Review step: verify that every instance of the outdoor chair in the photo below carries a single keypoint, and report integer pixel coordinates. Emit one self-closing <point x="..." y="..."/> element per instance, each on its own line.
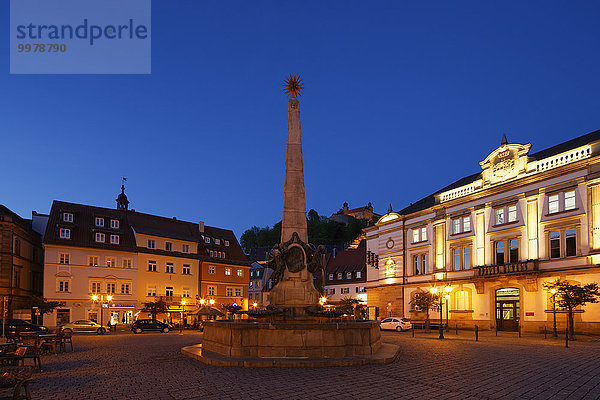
<point x="67" y="337"/>
<point x="12" y="338"/>
<point x="16" y="378"/>
<point x="30" y="349"/>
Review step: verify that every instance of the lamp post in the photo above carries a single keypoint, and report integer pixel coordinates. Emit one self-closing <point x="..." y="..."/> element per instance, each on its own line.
<point x="100" y="298"/>
<point x="434" y="292"/>
<point x="448" y="290"/>
<point x="181" y="316"/>
<point x="554" y="331"/>
<point x="254" y="305"/>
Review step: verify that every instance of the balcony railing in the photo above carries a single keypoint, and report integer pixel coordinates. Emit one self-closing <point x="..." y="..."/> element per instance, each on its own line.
<point x="173" y="299"/>
<point x="522" y="267"/>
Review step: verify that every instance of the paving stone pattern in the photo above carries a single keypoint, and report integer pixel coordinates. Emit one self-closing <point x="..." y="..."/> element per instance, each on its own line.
<point x="150" y="366"/>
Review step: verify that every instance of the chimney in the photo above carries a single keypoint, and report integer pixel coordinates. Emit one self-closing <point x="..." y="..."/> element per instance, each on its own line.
<point x="201" y="226"/>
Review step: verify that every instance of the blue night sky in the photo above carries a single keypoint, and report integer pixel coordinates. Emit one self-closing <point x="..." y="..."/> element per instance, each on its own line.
<point x="400" y="100"/>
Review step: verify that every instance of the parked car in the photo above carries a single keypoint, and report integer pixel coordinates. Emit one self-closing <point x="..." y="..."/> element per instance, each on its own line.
<point x="83" y="326"/>
<point x="396" y="323"/>
<point x="150" y="325"/>
<point x="19" y="325"/>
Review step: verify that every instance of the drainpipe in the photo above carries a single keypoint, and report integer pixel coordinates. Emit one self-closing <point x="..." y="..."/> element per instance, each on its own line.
<point x="403" y="264"/>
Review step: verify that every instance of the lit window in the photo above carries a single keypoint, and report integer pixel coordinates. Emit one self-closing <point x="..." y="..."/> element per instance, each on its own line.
<point x="212" y="269"/>
<point x="358" y="274"/>
<point x="348" y="275"/>
<point x="170" y="269"/>
<point x="226" y="242"/>
<point x="466" y="224"/>
<point x="229" y="292"/>
<point x="553" y="204"/>
<point x="114" y="239"/>
<point x="125" y="288"/>
<point x="111" y="288"/>
<point x="206" y="239"/>
<point x="570" y="200"/>
<point x="185" y="292"/>
<point x="152" y="266"/>
<point x="512" y="213"/>
<point x="93" y="261"/>
<point x="65" y="233"/>
<point x="461" y="300"/>
<point x="127" y="263"/>
<point x="151" y="244"/>
<point x="240" y="272"/>
<point x="168" y="246"/>
<point x="330" y="277"/>
<point x="456" y="225"/>
<point x="63" y="286"/>
<point x="63" y="258"/>
<point x="99" y="221"/>
<point x="238" y="292"/>
<point x="419" y="234"/>
<point x="185" y="248"/>
<point x="555" y="244"/>
<point x="499" y="253"/>
<point x="169" y="291"/>
<point x="217" y="241"/>
<point x="499" y="216"/>
<point x="211" y="290"/>
<point x="332" y="291"/>
<point x="67" y="217"/>
<point x="187" y="270"/>
<point x="415" y="235"/>
<point x="339" y="275"/>
<point x="570" y="242"/>
<point x="227" y="271"/>
<point x="151" y="291"/>
<point x="114" y="223"/>
<point x="100" y="237"/>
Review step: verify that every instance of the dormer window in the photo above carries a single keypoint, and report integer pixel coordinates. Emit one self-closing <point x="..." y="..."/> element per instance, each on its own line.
<point x="168" y="246"/>
<point x="65" y="233"/>
<point x="114" y="223"/>
<point x="206" y="239"/>
<point x="99" y="222"/>
<point x="339" y="275"/>
<point x="226" y="242"/>
<point x="68" y="217"/>
<point x="185" y="248"/>
<point x="114" y="239"/>
<point x="100" y="237"/>
<point x="217" y="241"/>
<point x="151" y="244"/>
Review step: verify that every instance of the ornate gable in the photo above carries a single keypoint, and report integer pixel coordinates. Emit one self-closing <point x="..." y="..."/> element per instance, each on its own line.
<point x="507" y="162"/>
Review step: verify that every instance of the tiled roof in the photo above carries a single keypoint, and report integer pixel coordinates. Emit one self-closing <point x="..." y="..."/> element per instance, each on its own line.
<point x="349" y="260"/>
<point x="233" y="252"/>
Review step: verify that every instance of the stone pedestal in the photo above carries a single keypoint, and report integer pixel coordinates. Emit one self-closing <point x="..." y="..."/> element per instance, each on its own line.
<point x="296" y="290"/>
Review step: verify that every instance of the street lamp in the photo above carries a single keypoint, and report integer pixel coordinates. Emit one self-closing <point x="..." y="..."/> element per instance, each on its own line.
<point x="448" y="290"/>
<point x="100" y="298"/>
<point x="202" y="301"/>
<point x="254" y="305"/>
<point x="434" y="292"/>
<point x="553" y="291"/>
<point x="211" y="302"/>
<point x="181" y="316"/>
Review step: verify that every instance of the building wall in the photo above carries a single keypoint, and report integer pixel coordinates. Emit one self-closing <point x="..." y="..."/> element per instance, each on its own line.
<point x="238" y="279"/>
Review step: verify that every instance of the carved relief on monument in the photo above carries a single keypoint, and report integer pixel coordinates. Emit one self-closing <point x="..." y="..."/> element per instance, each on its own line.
<point x="508" y="161"/>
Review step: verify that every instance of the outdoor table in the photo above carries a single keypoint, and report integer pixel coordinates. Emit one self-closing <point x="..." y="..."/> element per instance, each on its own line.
<point x="48" y="339"/>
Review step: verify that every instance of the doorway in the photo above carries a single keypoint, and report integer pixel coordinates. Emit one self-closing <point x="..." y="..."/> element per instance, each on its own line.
<point x="508" y="309"/>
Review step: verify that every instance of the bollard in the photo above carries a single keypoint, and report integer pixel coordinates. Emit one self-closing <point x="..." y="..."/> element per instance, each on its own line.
<point x="476" y="333"/>
<point x="567" y="337"/>
<point x="519" y="328"/>
<point x="457" y="329"/>
<point x="545" y="333"/>
<point x="496" y="328"/>
<point x="413" y="332"/>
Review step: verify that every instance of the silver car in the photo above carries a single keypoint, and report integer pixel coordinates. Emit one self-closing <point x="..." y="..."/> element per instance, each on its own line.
<point x="396" y="323"/>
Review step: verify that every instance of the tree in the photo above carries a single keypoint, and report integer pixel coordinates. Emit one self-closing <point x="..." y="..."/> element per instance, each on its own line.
<point x="569" y="296"/>
<point x="347" y="305"/>
<point x="44" y="306"/>
<point x="155" y="308"/>
<point x="425" y="301"/>
<point x="249" y="239"/>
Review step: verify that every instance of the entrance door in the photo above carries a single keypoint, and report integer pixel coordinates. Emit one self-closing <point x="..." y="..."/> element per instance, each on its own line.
<point x="507" y="309"/>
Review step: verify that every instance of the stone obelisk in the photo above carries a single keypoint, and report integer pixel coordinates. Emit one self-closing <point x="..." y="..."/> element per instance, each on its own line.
<point x="294" y="202"/>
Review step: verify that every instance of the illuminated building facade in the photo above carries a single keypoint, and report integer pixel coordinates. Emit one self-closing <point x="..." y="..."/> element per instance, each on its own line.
<point x="496" y="237"/>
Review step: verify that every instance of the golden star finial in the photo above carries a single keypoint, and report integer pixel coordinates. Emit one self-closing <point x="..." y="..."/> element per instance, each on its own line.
<point x="293" y="86"/>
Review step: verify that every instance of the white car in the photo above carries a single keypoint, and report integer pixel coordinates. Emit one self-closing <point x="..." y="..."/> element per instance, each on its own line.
<point x="396" y="323"/>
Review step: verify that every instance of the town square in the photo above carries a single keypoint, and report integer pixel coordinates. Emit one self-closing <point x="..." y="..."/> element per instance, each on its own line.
<point x="233" y="200"/>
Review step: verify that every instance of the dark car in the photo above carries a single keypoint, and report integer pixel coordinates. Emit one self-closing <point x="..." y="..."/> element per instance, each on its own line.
<point x="19" y="326"/>
<point x="150" y="325"/>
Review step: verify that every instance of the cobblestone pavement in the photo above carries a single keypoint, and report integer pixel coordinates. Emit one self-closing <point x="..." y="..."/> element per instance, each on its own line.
<point x="150" y="366"/>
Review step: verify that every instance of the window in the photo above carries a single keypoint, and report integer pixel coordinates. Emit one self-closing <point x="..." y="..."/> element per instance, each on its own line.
<point x="65" y="233"/>
<point x="553" y="204"/>
<point x="339" y="275"/>
<point x="571" y="242"/>
<point x="114" y="239"/>
<point x="151" y="244"/>
<point x="95" y="287"/>
<point x="361" y="289"/>
<point x="111" y="262"/>
<point x="358" y="274"/>
<point x="99" y="221"/>
<point x="187" y="270"/>
<point x="330" y="277"/>
<point x="169" y="291"/>
<point x="514" y="250"/>
<point x="68" y="217"/>
<point x="332" y="291"/>
<point x="185" y="248"/>
<point x="240" y="272"/>
<point x="226" y="243"/>
<point x="348" y="275"/>
<point x="125" y="288"/>
<point x="152" y="266"/>
<point x="461" y="258"/>
<point x="127" y="263"/>
<point x="114" y="223"/>
<point x="499" y="216"/>
<point x="570" y="200"/>
<point x="238" y="292"/>
<point x="63" y="286"/>
<point x="206" y="239"/>
<point x="170" y="269"/>
<point x="512" y="213"/>
<point x="168" y="246"/>
<point x="100" y="237"/>
<point x="151" y="291"/>
<point x="419" y="234"/>
<point x="456" y="226"/>
<point x="211" y="290"/>
<point x="17" y="277"/>
<point x="420" y="264"/>
<point x="229" y="292"/>
<point x="185" y="292"/>
<point x="63" y="258"/>
<point x="461" y="224"/>
<point x="555" y="244"/>
<point x="467" y="257"/>
<point x="466" y="224"/>
<point x="456" y="259"/>
<point x="217" y="241"/>
<point x="17" y="247"/>
<point x="499" y="253"/>
<point x="344" y="290"/>
<point x="227" y="271"/>
<point x="111" y="288"/>
<point x="212" y="269"/>
<point x="93" y="261"/>
<point x="461" y="300"/>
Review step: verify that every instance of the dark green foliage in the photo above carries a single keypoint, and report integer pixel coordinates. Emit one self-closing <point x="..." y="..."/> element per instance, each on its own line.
<point x="425" y="301"/>
<point x="43" y="305"/>
<point x="155" y="308"/>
